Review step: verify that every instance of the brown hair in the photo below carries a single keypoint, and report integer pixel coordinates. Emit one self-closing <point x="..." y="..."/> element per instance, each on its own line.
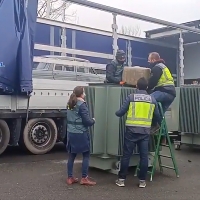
<point x="154" y="55"/>
<point x="78" y="91"/>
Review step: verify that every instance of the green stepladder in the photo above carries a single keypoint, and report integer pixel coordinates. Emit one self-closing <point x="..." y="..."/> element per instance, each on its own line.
<point x="157" y="145"/>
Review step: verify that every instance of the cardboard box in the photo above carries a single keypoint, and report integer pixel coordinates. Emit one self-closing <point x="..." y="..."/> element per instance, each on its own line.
<point x="132" y="74"/>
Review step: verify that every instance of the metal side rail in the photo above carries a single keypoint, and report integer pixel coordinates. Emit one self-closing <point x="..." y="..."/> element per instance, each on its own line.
<point x="157" y="143"/>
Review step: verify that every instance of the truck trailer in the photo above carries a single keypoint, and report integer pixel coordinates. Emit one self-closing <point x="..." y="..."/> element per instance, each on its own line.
<point x="33" y="110"/>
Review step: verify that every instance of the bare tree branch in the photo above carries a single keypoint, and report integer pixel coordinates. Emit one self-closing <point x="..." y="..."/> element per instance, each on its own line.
<point x="58" y="10"/>
<point x="130" y="30"/>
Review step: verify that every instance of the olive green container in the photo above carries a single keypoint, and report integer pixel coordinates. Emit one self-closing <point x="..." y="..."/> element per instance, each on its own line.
<point x="190" y="109"/>
<point x="108" y="132"/>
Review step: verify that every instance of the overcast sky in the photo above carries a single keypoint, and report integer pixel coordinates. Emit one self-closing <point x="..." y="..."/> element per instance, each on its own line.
<point x="177" y="11"/>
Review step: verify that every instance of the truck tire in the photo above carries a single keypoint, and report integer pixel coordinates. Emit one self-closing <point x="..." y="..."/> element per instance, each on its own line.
<point x="40" y="135"/>
<point x="4" y="136"/>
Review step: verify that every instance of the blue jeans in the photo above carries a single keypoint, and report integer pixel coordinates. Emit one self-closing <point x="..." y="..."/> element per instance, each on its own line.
<point x="164" y="98"/>
<point x="85" y="164"/>
<point x="130" y="141"/>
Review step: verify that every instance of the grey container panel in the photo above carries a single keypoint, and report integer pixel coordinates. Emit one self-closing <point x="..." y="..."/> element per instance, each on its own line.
<point x="100" y="114"/>
<point x="189" y="109"/>
<point x="113" y="131"/>
<point x="96" y="98"/>
<point x="122" y="128"/>
<point x="172" y="114"/>
<point x="45" y="99"/>
<point x="5" y="103"/>
<point x="90" y="99"/>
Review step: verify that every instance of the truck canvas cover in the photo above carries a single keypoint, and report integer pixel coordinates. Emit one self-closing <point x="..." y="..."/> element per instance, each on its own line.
<point x="17" y="22"/>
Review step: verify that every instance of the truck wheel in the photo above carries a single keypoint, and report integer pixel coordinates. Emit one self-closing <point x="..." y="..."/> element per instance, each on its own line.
<point x="40" y="135"/>
<point x="4" y="136"/>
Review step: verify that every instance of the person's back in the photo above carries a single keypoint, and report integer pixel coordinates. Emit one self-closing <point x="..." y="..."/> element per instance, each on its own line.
<point x="140" y="112"/>
<point x="140" y="108"/>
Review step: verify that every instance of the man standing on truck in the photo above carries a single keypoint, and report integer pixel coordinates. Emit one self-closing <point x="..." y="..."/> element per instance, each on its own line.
<point x="115" y="68"/>
<point x="140" y="108"/>
<point x="161" y="82"/>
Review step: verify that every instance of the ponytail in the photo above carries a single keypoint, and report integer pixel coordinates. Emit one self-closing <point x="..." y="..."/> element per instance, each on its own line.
<point x="72" y="101"/>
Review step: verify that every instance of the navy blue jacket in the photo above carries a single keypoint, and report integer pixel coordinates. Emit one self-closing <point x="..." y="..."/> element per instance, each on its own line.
<point x="80" y="142"/>
<point x="84" y="114"/>
<point x="124" y="109"/>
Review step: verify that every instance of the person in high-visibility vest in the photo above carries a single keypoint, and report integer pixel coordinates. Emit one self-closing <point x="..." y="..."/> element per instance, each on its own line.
<point x="115" y="68"/>
<point x="161" y="81"/>
<point x="141" y="109"/>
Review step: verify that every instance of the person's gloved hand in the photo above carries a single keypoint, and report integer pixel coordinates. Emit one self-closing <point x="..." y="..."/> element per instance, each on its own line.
<point x="122" y="82"/>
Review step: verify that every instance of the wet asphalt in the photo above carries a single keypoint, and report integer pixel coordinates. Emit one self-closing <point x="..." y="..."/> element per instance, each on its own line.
<point x="30" y="177"/>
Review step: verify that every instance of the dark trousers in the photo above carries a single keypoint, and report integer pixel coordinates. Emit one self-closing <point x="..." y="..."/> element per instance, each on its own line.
<point x="85" y="164"/>
<point x="164" y="98"/>
<point x="130" y="141"/>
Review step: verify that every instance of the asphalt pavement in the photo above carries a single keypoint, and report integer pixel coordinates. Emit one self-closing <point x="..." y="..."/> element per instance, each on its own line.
<point x="43" y="177"/>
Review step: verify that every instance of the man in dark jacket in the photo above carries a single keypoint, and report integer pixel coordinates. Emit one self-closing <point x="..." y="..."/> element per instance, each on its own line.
<point x="115" y="68"/>
<point x="161" y="81"/>
<point x="141" y="108"/>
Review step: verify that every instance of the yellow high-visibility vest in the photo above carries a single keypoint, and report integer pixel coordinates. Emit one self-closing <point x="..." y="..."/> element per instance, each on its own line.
<point x="140" y="112"/>
<point x="166" y="77"/>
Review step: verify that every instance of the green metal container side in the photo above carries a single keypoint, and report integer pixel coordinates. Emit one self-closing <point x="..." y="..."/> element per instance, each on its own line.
<point x="172" y="114"/>
<point x="96" y="104"/>
<point x="189" y="109"/>
<point x="108" y="132"/>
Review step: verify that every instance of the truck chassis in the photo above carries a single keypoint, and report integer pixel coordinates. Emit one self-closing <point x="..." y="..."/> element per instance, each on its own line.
<point x="38" y="121"/>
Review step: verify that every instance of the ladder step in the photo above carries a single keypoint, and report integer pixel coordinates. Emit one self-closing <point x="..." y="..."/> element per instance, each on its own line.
<point x="168" y="167"/>
<point x="164" y="145"/>
<point x="165" y="156"/>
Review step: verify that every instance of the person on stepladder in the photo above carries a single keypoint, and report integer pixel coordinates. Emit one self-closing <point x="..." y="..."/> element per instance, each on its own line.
<point x="78" y="140"/>
<point x="140" y="108"/>
<point x="161" y="82"/>
<point x="115" y="68"/>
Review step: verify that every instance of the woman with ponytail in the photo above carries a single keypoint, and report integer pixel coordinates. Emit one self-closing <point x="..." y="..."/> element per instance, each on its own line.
<point x="78" y="141"/>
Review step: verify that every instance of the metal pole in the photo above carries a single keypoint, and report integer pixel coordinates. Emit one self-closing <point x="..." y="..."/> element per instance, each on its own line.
<point x="115" y="36"/>
<point x="63" y="30"/>
<point x="48" y="9"/>
<point x="181" y="58"/>
<point x="26" y="3"/>
<point x="129" y="49"/>
<point x="177" y="69"/>
<point x="133" y="15"/>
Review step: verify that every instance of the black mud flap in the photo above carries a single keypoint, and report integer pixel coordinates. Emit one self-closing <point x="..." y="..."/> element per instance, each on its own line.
<point x="15" y="131"/>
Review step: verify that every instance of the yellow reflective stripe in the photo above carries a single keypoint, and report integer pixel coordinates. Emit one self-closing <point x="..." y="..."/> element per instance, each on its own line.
<point x="132" y="120"/>
<point x="151" y="110"/>
<point x="139" y="125"/>
<point x="165" y="79"/>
